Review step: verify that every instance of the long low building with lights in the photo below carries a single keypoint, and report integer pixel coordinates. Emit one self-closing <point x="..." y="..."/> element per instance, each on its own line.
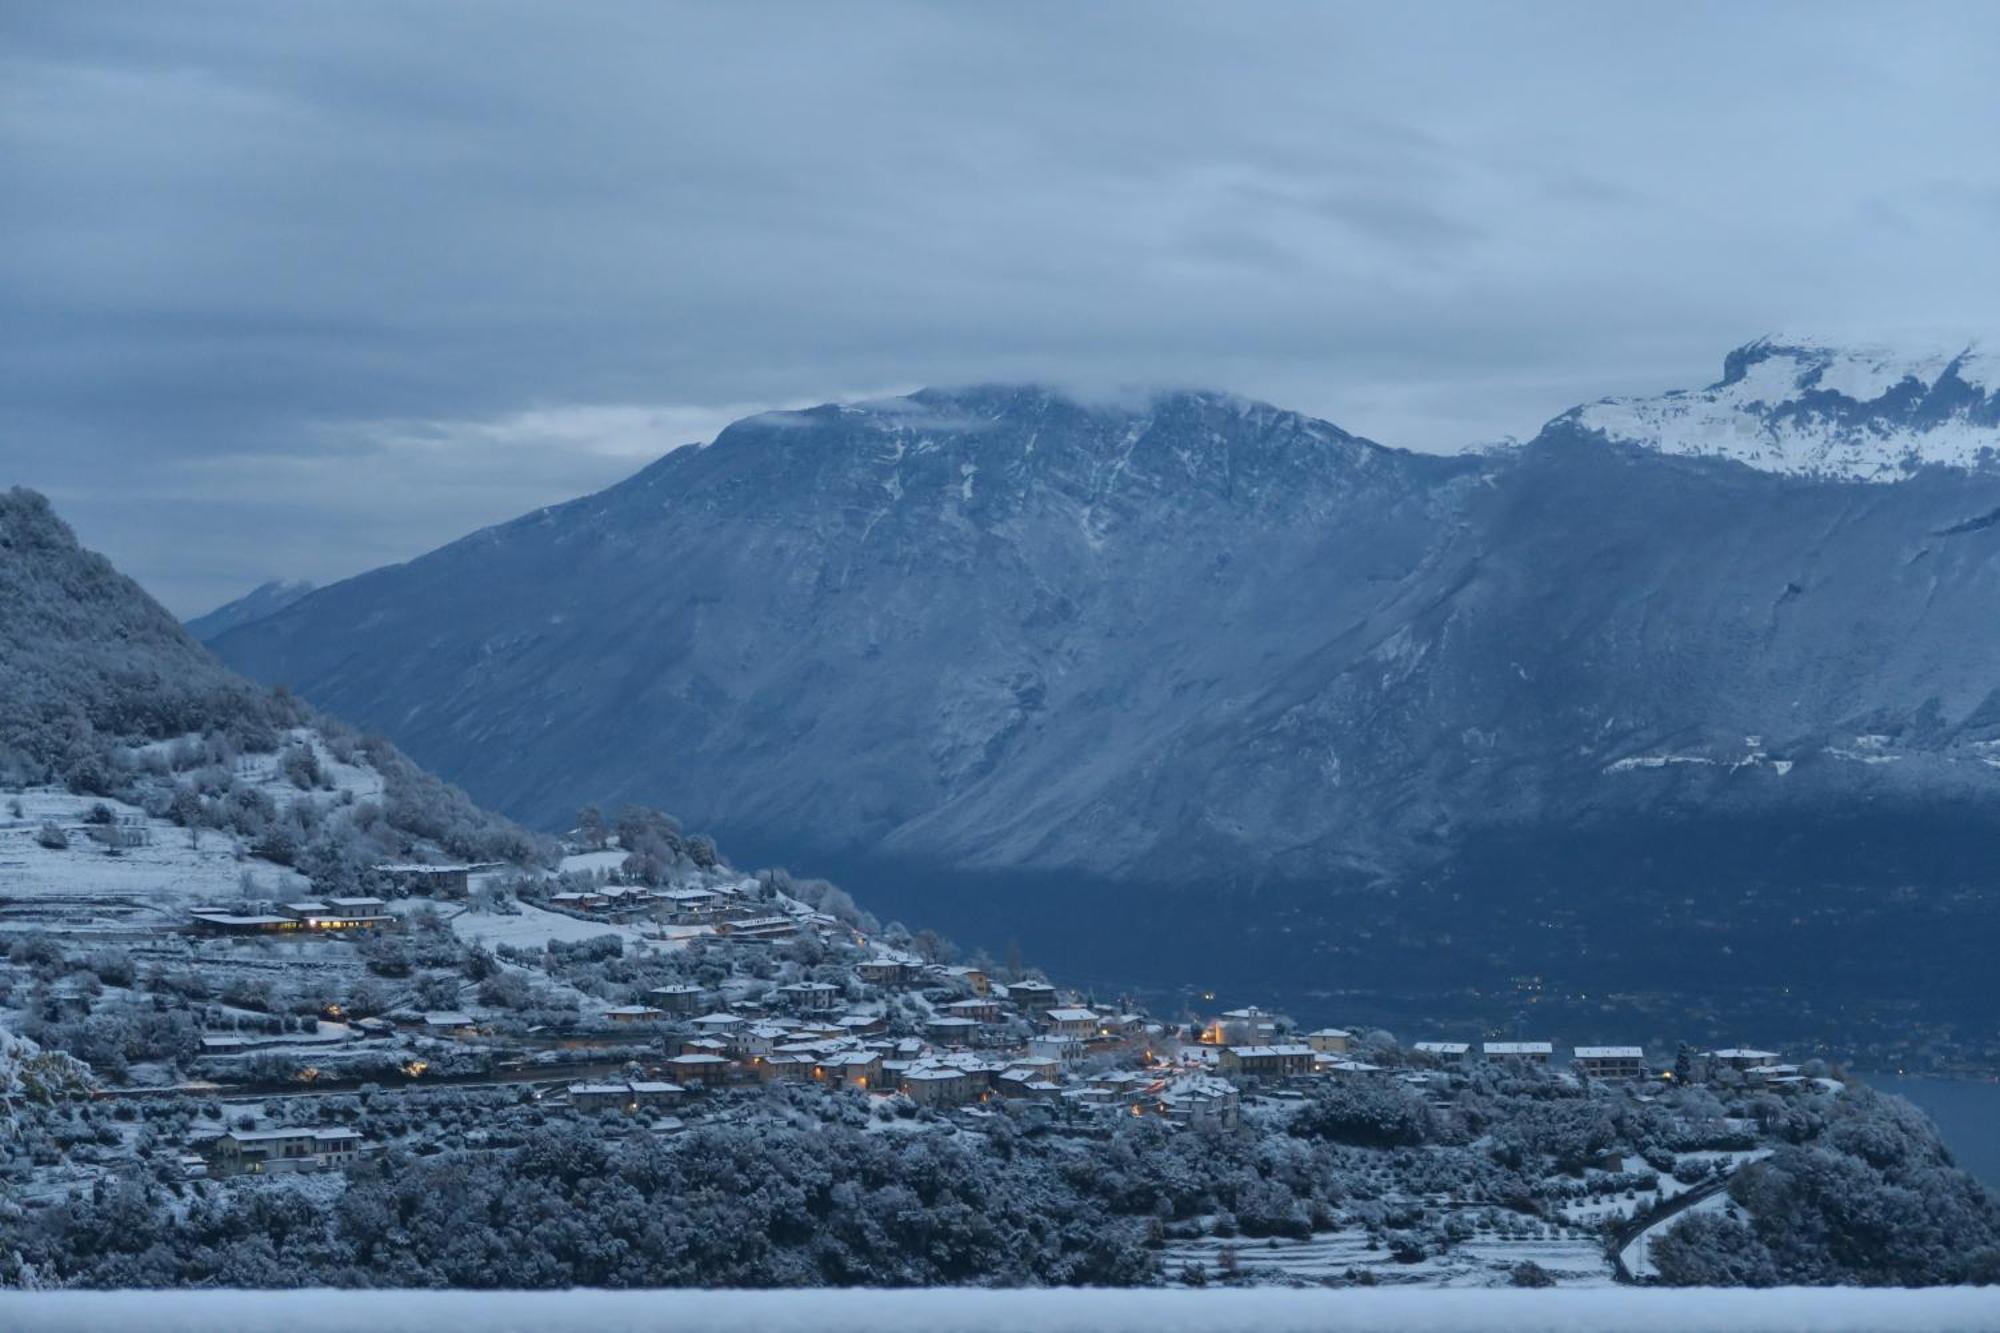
<point x="1609" y="1061"/>
<point x="627" y="1097"/>
<point x="281" y="1151"/>
<point x="943" y="1085"/>
<point x="1445" y="1052"/>
<point x="1265" y="1061"/>
<point x="334" y="916"/>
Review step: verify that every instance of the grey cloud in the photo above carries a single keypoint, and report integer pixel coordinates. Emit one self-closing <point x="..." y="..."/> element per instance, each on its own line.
<point x="251" y="254"/>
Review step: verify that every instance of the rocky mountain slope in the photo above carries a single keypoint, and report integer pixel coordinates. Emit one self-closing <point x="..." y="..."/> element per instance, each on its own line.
<point x="1062" y="653"/>
<point x="997" y="599"/>
<point x="110" y="711"/>
<point x="1811" y="408"/>
<point x="263" y="600"/>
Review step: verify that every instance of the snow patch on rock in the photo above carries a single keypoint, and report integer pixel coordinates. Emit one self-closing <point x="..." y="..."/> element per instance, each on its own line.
<point x="1807" y="407"/>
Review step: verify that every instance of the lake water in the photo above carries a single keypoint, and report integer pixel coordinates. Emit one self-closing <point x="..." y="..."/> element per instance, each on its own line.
<point x="1966" y="1112"/>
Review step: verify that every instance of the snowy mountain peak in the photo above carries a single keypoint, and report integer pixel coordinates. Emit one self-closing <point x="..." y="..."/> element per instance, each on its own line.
<point x="267" y="599"/>
<point x="979" y="409"/>
<point x="1812" y="407"/>
<point x="990" y="450"/>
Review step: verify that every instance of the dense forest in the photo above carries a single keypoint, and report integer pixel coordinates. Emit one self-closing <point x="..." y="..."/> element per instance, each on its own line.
<point x="489" y="1189"/>
<point x="103" y="692"/>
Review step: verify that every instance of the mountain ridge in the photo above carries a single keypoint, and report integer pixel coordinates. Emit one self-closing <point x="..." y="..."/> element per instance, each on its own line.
<point x="263" y="600"/>
<point x="1810" y="407"/>
<point x="1126" y="654"/>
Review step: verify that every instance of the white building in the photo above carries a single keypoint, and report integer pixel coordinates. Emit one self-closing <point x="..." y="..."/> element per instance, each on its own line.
<point x="1609" y="1061"/>
<point x="278" y="1151"/>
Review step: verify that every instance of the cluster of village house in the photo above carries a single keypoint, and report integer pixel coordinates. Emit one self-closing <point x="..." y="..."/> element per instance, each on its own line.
<point x="1251" y="1042"/>
<point x="968" y="1051"/>
<point x="954" y="1067"/>
<point x="963" y="1054"/>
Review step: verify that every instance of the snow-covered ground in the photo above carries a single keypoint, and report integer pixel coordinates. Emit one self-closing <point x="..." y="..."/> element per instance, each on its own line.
<point x="593" y="862"/>
<point x="532" y="928"/>
<point x="151" y="885"/>
<point x="1779" y="1310"/>
<point x="1482" y="1262"/>
<point x="145" y="887"/>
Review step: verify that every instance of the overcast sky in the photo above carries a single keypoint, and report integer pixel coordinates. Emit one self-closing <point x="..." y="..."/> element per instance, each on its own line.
<point x="296" y="290"/>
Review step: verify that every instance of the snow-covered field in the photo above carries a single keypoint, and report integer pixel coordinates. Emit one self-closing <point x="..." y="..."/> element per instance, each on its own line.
<point x="532" y="927"/>
<point x="1623" y="1310"/>
<point x="146" y="887"/>
<point x="1481" y="1262"/>
<point x="593" y="862"/>
<point x="85" y="889"/>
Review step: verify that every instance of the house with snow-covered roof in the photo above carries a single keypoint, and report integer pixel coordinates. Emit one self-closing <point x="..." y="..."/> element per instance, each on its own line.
<point x="1056" y="1046"/>
<point x="1742" y="1057"/>
<point x="1609" y="1062"/>
<point x="281" y="1151"/>
<point x="943" y="1085"/>
<point x="1026" y="1084"/>
<point x="701" y="1068"/>
<point x="626" y="1096"/>
<point x="689" y="902"/>
<point x="1031" y="993"/>
<point x="1196" y="1098"/>
<point x="1070" y="1022"/>
<point x="678" y="999"/>
<point x="1248" y="1026"/>
<point x="412" y="879"/>
<point x="884" y="971"/>
<point x="970" y="976"/>
<point x="1444" y="1052"/>
<point x="1265" y="1061"/>
<point x="810" y="996"/>
<point x="952" y="1031"/>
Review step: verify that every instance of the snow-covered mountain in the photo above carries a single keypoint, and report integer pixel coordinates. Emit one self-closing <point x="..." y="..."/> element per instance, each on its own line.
<point x="263" y="600"/>
<point x="1032" y="667"/>
<point x="1807" y="407"/>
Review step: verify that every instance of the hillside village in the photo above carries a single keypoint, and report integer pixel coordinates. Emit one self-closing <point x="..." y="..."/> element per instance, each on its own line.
<point x="278" y="1007"/>
<point x="712" y="979"/>
<point x="234" y="1027"/>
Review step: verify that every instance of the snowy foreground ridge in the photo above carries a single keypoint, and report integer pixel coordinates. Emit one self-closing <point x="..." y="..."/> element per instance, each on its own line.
<point x="1823" y="1310"/>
